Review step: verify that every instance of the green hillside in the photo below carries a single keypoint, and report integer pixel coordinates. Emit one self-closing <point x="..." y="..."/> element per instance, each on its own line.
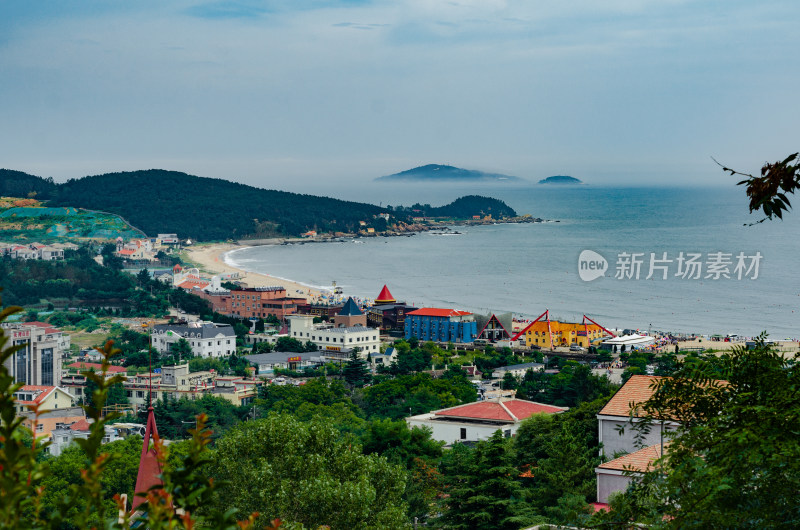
<point x="206" y="209"/>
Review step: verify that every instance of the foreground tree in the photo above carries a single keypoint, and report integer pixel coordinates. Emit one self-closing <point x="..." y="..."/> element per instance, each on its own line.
<point x="483" y="489"/>
<point x="735" y="461"/>
<point x="768" y="192"/>
<point x="304" y="472"/>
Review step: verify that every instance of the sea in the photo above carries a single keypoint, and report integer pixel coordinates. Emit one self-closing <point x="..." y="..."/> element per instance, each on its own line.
<point x="678" y="259"/>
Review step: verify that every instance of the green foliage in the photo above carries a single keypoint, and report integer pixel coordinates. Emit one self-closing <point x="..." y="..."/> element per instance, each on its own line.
<point x="305" y="472"/>
<point x="483" y="488"/>
<point x="416" y="394"/>
<point x="176" y="417"/>
<point x="356" y="372"/>
<point x="735" y="459"/>
<point x="574" y="384"/>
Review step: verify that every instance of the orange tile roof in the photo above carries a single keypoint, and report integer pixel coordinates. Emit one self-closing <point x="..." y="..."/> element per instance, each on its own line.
<point x="640" y="460"/>
<point x="635" y="391"/>
<point x="437" y="312"/>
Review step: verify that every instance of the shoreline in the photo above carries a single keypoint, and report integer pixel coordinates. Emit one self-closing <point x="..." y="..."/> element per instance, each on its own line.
<point x="210" y="258"/>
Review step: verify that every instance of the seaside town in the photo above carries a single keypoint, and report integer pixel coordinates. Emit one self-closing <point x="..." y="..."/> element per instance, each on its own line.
<point x="358" y="265"/>
<point x="257" y="337"/>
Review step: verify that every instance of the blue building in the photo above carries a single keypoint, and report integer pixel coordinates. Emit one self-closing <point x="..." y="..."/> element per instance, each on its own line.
<point x="441" y="325"/>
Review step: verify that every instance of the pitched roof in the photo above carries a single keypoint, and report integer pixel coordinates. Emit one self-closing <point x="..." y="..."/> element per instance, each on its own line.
<point x="350" y="309"/>
<point x="97" y="367"/>
<point x="511" y="410"/>
<point x="40" y="393"/>
<point x="636" y="390"/>
<point x="385" y="297"/>
<point x="640" y="460"/>
<point x="437" y="312"/>
<point x="80" y="425"/>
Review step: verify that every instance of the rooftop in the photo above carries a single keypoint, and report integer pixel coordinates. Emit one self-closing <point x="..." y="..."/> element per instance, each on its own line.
<point x="437" y="312"/>
<point x="635" y="391"/>
<point x="640" y="460"/>
<point x="510" y="410"/>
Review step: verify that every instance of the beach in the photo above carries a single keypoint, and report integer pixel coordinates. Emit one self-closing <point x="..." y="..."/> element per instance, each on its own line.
<point x="210" y="259"/>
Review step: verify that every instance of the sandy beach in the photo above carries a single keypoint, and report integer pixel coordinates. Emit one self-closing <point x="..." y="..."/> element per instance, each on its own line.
<point x="209" y="259"/>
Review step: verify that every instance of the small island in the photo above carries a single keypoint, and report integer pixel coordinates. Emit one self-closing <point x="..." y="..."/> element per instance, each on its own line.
<point x="441" y="173"/>
<point x="560" y="179"/>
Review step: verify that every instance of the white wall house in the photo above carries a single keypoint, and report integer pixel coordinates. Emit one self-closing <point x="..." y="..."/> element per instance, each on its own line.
<point x="333" y="339"/>
<point x="479" y="421"/>
<point x="206" y="339"/>
<point x="616" y="424"/>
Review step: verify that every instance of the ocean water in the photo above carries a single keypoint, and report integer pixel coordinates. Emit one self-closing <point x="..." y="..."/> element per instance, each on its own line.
<point x="527" y="268"/>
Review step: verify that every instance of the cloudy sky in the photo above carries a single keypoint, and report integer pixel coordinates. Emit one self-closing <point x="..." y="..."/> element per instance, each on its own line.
<point x="285" y="93"/>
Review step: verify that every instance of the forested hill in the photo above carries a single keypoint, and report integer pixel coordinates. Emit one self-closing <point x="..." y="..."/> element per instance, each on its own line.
<point x="207" y="209"/>
<point x="210" y="209"/>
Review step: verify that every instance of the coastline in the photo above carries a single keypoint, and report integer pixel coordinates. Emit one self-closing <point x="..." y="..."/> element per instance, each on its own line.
<point x="210" y="258"/>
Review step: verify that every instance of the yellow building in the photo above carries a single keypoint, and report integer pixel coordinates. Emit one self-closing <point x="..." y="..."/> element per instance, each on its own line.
<point x="549" y="334"/>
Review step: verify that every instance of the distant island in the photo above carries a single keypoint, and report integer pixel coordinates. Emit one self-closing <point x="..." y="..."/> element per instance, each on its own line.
<point x="439" y="172"/>
<point x="560" y="179"/>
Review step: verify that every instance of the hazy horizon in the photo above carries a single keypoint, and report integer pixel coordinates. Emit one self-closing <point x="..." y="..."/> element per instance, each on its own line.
<point x="289" y="95"/>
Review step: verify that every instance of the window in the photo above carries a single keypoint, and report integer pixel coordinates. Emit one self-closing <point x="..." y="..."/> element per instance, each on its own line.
<point x="463" y="433"/>
<point x="39" y="427"/>
<point x="507" y="433"/>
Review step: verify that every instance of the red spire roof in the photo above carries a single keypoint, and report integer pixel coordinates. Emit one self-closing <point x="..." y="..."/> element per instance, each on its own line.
<point x="385" y="297"/>
<point x="149" y="467"/>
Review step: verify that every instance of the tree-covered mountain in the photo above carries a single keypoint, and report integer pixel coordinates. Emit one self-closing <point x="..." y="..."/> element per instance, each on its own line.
<point x="208" y="209"/>
<point x="19" y="184"/>
<point x="438" y="172"/>
<point x="560" y="179"/>
<point x="463" y="208"/>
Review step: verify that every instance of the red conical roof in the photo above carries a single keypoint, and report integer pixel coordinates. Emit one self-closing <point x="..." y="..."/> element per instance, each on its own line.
<point x="149" y="467"/>
<point x="385" y="297"/>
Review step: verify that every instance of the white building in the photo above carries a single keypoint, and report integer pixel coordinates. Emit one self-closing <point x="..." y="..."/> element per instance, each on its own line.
<point x="207" y="339"/>
<point x="616" y="422"/>
<point x="479" y="421"/>
<point x="266" y="363"/>
<point x="629" y="342"/>
<point x="517" y="370"/>
<point x="333" y="339"/>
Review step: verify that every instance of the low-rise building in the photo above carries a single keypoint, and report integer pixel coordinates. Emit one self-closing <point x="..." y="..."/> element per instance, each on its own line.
<point x="517" y="370"/>
<point x="207" y="339"/>
<point x="478" y="421"/>
<point x="42" y="397"/>
<point x="441" y="325"/>
<point x="617" y="474"/>
<point x="266" y="363"/>
<point x="332" y="339"/>
<point x="553" y="333"/>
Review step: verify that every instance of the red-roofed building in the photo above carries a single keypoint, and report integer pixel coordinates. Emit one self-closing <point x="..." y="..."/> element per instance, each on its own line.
<point x="478" y="421"/>
<point x="441" y="325"/>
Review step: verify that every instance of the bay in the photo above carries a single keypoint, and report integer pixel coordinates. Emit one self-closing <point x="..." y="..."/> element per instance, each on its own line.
<point x="527" y="268"/>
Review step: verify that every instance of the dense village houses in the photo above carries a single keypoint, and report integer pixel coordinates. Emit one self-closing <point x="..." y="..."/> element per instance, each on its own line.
<point x="478" y="421"/>
<point x="36" y="251"/>
<point x="331" y="339"/>
<point x="207" y="339"/>
<point x="441" y="325"/>
<point x="38" y="361"/>
<point x="74" y="381"/>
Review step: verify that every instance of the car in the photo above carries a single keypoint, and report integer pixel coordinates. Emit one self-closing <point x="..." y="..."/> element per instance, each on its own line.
<point x="576" y="347"/>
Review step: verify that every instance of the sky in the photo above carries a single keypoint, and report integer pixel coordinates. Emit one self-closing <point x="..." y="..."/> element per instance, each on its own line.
<point x="287" y="94"/>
